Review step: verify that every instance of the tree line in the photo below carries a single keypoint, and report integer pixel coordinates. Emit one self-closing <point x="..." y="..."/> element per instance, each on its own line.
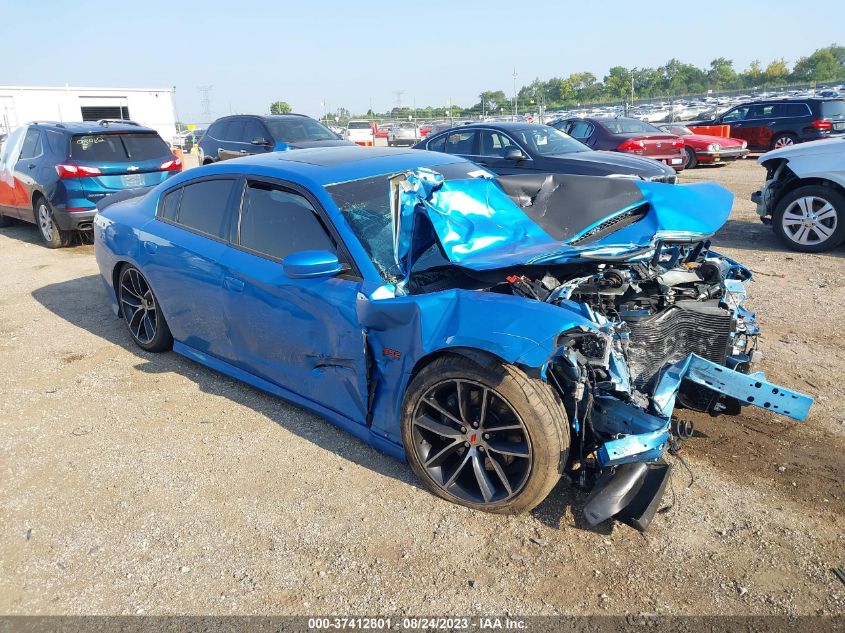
<point x="673" y="79"/>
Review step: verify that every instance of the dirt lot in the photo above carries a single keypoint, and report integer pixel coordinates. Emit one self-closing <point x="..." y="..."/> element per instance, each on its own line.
<point x="139" y="483"/>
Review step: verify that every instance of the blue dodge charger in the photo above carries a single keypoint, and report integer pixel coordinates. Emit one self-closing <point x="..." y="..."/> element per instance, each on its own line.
<point x="495" y="332"/>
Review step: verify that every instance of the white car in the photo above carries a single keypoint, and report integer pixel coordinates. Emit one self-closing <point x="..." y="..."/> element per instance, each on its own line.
<point x="804" y="194"/>
<point x="360" y="131"/>
<point x="403" y="134"/>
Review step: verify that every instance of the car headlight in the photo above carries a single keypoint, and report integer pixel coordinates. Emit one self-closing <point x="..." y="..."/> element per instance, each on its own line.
<point x="744" y="144"/>
<point x="714" y="147"/>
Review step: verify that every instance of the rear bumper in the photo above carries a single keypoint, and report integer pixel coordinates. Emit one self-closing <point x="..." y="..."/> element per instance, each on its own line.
<point x="722" y="156"/>
<point x="74" y="220"/>
<point x="675" y="161"/>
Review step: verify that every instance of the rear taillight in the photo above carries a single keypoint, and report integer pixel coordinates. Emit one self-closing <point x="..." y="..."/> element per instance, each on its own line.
<point x="821" y="124"/>
<point x="67" y="170"/>
<point x="678" y="143"/>
<point x="635" y="145"/>
<point x="174" y="164"/>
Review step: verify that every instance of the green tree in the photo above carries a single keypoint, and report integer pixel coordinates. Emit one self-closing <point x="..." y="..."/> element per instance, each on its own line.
<point x="491" y="101"/>
<point x="823" y="65"/>
<point x="617" y="83"/>
<point x="722" y="75"/>
<point x="777" y="72"/>
<point x="753" y="75"/>
<point x="280" y="107"/>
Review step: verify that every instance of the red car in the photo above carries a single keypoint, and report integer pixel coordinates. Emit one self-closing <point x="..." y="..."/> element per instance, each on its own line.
<point x="703" y="149"/>
<point x="382" y="129"/>
<point x="622" y="134"/>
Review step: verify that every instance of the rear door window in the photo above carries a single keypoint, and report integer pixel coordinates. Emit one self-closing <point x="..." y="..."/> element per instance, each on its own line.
<point x="254" y="130"/>
<point x="204" y="207"/>
<point x="276" y="222"/>
<point x="461" y="142"/>
<point x="235" y="130"/>
<point x="31" y="144"/>
<point x="579" y="129"/>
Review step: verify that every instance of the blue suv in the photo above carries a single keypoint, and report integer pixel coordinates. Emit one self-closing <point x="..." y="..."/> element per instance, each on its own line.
<point x="53" y="174"/>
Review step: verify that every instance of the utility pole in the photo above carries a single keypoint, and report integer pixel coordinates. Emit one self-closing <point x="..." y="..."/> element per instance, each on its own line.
<point x="514" y="93"/>
<point x="398" y="94"/>
<point x="632" y="89"/>
<point x="205" y="102"/>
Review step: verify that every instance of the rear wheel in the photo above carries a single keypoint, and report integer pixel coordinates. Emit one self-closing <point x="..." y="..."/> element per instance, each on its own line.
<point x="53" y="236"/>
<point x="141" y="311"/>
<point x="484" y="436"/>
<point x="811" y="219"/>
<point x="690" y="160"/>
<point x="782" y="140"/>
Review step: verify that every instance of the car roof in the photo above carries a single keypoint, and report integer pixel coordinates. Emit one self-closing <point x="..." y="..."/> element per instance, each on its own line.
<point x="91" y="127"/>
<point x="329" y="165"/>
<point x="264" y="117"/>
<point x="502" y="125"/>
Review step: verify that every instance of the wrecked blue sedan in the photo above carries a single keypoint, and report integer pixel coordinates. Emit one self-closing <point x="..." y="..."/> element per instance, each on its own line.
<point x="495" y="332"/>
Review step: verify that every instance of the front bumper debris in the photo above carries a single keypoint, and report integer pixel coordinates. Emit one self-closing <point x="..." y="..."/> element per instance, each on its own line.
<point x="634" y="478"/>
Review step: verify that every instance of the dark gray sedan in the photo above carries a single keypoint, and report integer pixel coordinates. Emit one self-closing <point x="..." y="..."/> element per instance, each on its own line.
<point x="519" y="148"/>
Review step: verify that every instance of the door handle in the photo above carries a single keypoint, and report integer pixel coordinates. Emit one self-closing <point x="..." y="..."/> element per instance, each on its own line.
<point x="31" y="166"/>
<point x="150" y="247"/>
<point x="243" y="151"/>
<point x="233" y="284"/>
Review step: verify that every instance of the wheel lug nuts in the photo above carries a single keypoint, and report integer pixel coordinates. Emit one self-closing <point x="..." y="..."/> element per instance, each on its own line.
<point x="486" y="436"/>
<point x="481" y="449"/>
<point x="463" y="429"/>
<point x="466" y="444"/>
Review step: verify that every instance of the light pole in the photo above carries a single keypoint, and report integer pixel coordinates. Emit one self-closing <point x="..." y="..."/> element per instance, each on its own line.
<point x="514" y="92"/>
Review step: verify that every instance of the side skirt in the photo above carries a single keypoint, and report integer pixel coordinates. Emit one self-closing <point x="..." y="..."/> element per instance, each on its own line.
<point x="360" y="431"/>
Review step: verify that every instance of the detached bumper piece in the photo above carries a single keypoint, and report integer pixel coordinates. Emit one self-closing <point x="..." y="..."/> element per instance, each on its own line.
<point x="630" y="493"/>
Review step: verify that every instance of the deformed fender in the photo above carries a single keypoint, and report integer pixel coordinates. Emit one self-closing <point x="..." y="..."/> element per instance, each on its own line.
<point x="511" y="328"/>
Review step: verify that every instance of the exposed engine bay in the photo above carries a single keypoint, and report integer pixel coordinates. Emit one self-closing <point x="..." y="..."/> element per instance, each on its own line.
<point x="662" y="325"/>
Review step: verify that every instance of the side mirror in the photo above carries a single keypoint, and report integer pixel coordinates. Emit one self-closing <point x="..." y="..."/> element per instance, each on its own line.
<point x="260" y="140"/>
<point x="310" y="264"/>
<point x="515" y="154"/>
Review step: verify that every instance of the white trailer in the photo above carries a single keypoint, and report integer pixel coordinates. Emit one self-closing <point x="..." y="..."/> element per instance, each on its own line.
<point x="150" y="107"/>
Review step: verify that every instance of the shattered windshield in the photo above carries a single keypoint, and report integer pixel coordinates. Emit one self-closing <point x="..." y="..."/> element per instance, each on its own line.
<point x="365" y="204"/>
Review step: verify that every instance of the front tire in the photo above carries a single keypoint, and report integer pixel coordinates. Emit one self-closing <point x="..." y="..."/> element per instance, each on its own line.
<point x="141" y="311"/>
<point x="484" y="434"/>
<point x="51" y="234"/>
<point x="811" y="219"/>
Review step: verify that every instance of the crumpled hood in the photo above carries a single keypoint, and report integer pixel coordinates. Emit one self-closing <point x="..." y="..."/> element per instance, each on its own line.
<point x="484" y="224"/>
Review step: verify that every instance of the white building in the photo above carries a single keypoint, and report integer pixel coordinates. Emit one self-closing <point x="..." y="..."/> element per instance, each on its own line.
<point x="150" y="107"/>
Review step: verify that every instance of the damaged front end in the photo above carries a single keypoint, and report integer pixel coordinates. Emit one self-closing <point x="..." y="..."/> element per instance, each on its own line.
<point x="669" y="327"/>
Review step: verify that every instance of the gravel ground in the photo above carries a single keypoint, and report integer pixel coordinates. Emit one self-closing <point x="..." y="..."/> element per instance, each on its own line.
<point x="138" y="483"/>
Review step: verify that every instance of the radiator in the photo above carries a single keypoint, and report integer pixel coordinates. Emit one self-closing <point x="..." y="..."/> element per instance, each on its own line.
<point x="668" y="336"/>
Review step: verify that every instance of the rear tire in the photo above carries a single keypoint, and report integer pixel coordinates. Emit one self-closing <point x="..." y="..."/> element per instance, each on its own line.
<point x="51" y="234"/>
<point x="690" y="161"/>
<point x="811" y="219"/>
<point x="142" y="312"/>
<point x="782" y="140"/>
<point x="501" y="450"/>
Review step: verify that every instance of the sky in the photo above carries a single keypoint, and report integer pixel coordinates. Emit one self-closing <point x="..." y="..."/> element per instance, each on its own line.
<point x="361" y="54"/>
